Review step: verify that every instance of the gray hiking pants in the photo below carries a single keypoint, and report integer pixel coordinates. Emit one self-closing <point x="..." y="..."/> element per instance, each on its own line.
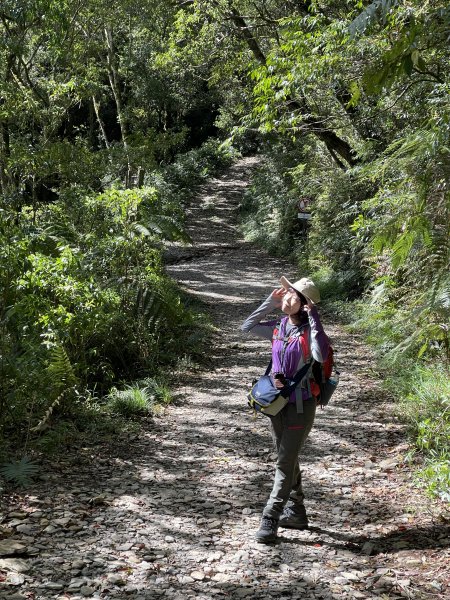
<point x="289" y="432"/>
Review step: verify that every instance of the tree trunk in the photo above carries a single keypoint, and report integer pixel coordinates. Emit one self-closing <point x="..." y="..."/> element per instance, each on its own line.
<point x="5" y="146"/>
<point x="96" y="105"/>
<point x="113" y="77"/>
<point x="5" y="152"/>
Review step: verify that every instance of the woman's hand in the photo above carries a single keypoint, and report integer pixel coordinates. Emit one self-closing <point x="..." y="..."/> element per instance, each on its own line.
<point x="308" y="306"/>
<point x="279" y="384"/>
<point x="277" y="296"/>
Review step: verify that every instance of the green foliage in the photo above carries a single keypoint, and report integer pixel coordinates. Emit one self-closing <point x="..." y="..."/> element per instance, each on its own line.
<point x="84" y="299"/>
<point x="435" y="476"/>
<point x="269" y="213"/>
<point x="143" y="397"/>
<point x="62" y="434"/>
<point x="20" y="472"/>
<point x="376" y="12"/>
<point x="131" y="401"/>
<point x="425" y="406"/>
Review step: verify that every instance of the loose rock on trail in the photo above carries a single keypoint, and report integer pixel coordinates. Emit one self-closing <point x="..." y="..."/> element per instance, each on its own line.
<point x="171" y="512"/>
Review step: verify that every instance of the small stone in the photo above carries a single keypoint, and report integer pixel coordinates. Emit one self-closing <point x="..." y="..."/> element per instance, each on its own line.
<point x="9" y="547"/>
<point x="388" y="463"/>
<point x="222" y="577"/>
<point x="243" y="592"/>
<point x="75" y="584"/>
<point x="368" y="548"/>
<point x="15" y="578"/>
<point x="14" y="564"/>
<point x="50" y="529"/>
<point x="52" y="585"/>
<point x="198" y="575"/>
<point x="116" y="579"/>
<point x="78" y="564"/>
<point x="62" y="522"/>
<point x="169" y="539"/>
<point x="26" y="529"/>
<point x="350" y="576"/>
<point x="87" y="591"/>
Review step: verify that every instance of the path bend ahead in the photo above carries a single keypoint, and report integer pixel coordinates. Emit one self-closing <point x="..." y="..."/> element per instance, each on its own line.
<point x="172" y="513"/>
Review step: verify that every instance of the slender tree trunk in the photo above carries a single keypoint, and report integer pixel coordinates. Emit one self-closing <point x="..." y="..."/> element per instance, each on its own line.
<point x="5" y="152"/>
<point x="5" y="146"/>
<point x="113" y="76"/>
<point x="96" y="105"/>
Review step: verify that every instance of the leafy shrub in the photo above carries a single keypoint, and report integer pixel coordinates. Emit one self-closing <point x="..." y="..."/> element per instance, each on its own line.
<point x="294" y="172"/>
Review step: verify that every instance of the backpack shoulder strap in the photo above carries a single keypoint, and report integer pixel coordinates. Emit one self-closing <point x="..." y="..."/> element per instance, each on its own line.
<point x="305" y="341"/>
<point x="279" y="329"/>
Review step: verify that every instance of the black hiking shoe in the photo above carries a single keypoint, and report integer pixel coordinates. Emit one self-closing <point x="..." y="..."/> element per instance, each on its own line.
<point x="294" y="517"/>
<point x="267" y="532"/>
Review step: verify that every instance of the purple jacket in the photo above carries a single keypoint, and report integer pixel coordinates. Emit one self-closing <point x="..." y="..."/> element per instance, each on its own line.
<point x="287" y="352"/>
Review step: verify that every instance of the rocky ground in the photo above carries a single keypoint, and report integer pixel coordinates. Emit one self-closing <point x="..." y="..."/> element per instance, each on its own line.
<point x="171" y="513"/>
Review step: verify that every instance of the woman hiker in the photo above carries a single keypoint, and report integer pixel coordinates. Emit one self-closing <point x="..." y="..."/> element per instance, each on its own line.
<point x="296" y="339"/>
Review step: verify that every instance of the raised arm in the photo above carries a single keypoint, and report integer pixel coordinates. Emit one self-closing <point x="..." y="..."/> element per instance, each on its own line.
<point x="253" y="323"/>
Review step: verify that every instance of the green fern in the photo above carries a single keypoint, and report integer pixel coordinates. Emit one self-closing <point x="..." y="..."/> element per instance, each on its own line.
<point x="60" y="369"/>
<point x="164" y="227"/>
<point x="147" y="306"/>
<point x="48" y="413"/>
<point x="19" y="472"/>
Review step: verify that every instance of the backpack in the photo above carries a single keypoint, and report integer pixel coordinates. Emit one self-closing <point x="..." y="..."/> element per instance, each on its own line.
<point x="326" y="376"/>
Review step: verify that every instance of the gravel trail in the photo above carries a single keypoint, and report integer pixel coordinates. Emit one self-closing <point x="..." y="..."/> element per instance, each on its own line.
<point x="171" y="512"/>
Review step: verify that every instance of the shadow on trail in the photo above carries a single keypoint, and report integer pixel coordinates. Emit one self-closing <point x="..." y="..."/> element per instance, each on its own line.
<point x="413" y="538"/>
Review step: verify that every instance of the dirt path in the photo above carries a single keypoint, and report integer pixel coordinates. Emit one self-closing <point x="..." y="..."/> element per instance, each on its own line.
<point x="172" y="513"/>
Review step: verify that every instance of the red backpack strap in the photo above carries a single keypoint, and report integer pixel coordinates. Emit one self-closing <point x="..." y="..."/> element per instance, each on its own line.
<point x="306" y="346"/>
<point x="279" y="328"/>
<point x="276" y="331"/>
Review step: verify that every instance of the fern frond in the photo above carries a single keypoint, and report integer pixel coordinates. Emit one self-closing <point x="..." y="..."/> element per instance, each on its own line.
<point x="169" y="227"/>
<point x="48" y="413"/>
<point x="147" y="305"/>
<point x="60" y="368"/>
<point x="19" y="472"/>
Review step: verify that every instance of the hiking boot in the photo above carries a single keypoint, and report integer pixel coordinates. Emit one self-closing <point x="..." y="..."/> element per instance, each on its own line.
<point x="294" y="517"/>
<point x="267" y="532"/>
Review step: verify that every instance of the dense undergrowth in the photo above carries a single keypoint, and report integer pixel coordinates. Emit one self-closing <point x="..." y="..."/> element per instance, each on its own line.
<point x="87" y="308"/>
<point x="399" y="302"/>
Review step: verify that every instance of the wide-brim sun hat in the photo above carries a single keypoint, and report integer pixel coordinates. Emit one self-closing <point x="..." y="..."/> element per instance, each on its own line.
<point x="305" y="286"/>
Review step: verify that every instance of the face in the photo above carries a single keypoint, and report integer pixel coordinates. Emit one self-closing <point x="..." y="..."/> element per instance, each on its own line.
<point x="291" y="303"/>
